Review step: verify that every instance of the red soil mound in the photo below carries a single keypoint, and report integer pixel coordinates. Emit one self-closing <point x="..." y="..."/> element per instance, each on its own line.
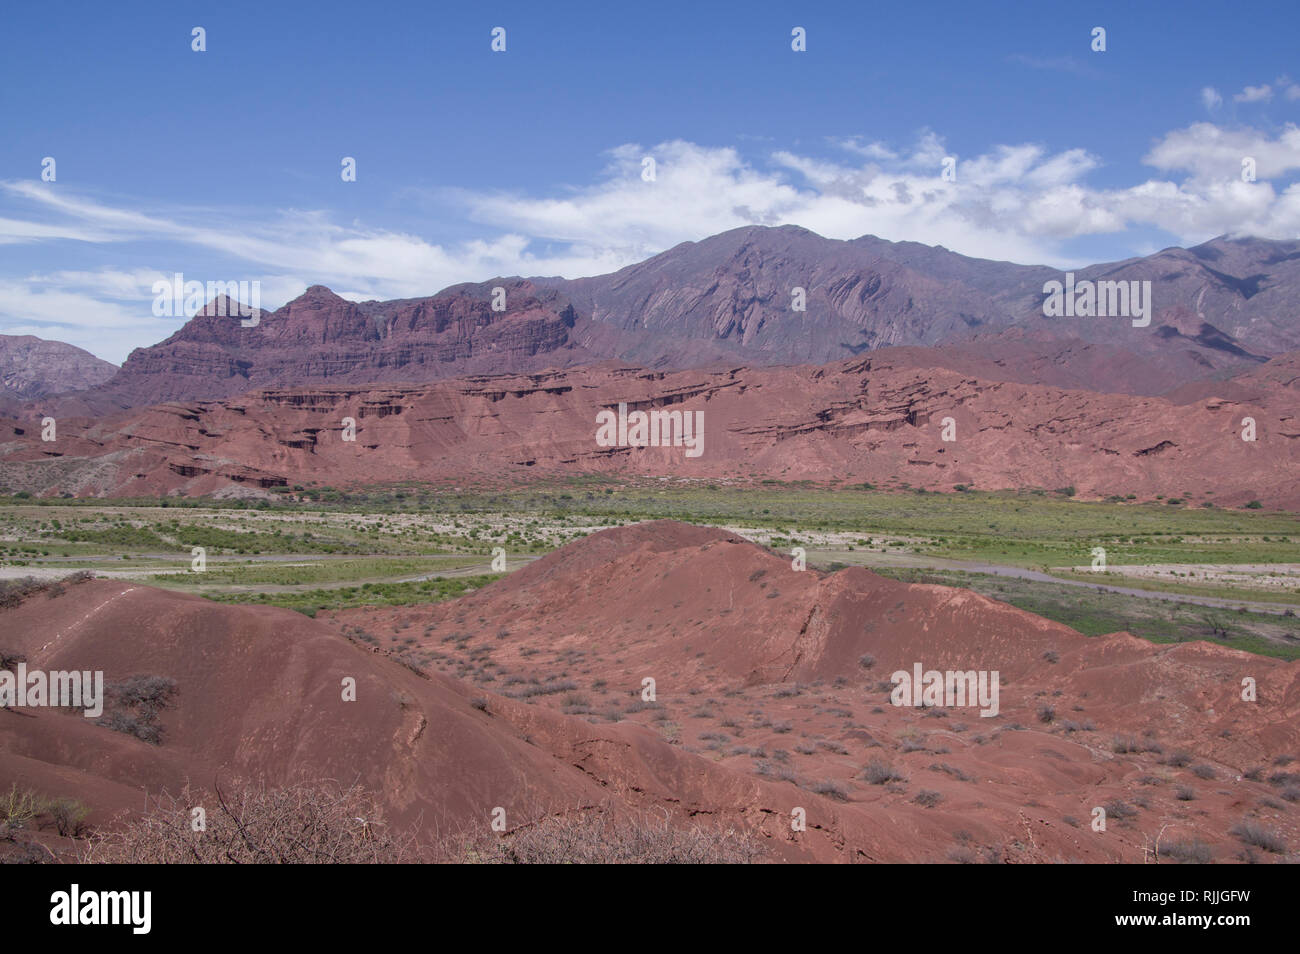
<point x="791" y="666"/>
<point x="745" y="649"/>
<point x="259" y="696"/>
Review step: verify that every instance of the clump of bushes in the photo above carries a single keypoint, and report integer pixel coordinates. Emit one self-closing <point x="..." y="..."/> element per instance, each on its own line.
<point x="23" y="811"/>
<point x="133" y="706"/>
<point x="14" y="592"/>
<point x="1119" y="810"/>
<point x="595" y="838"/>
<point x="831" y="789"/>
<point x="1126" y="744"/>
<point x="1259" y="837"/>
<point x="879" y="772"/>
<point x="1188" y="853"/>
<point x="308" y="823"/>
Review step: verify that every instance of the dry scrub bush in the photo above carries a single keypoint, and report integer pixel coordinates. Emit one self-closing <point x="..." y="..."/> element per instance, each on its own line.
<point x="878" y="772"/>
<point x="133" y="706"/>
<point x="322" y="823"/>
<point x="14" y="592"/>
<point x="593" y="838"/>
<point x="1259" y="837"/>
<point x="23" y="811"/>
<point x="307" y="823"/>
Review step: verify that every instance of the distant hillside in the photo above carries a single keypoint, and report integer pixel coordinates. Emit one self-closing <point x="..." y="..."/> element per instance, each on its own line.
<point x="1216" y="310"/>
<point x="32" y="367"/>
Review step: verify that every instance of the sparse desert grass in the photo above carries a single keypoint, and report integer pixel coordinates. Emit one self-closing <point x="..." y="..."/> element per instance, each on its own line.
<point x="595" y="838"/>
<point x="537" y="688"/>
<point x="368" y="594"/>
<point x="781" y="773"/>
<point x="950" y="770"/>
<point x="879" y="772"/>
<point x="830" y="789"/>
<point x="1187" y="852"/>
<point x="1119" y="810"/>
<point x="1132" y="745"/>
<point x="1258" y="836"/>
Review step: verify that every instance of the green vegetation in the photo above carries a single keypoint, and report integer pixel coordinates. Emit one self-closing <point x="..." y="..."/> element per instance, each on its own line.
<point x="248" y="573"/>
<point x="1094" y="613"/>
<point x="1025" y="529"/>
<point x="1022" y="529"/>
<point x="341" y="549"/>
<point x="310" y="602"/>
<point x="1181" y="581"/>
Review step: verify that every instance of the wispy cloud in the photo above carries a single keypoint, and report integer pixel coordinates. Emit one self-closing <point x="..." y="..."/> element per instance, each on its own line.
<point x="1254" y="94"/>
<point x="1061" y="64"/>
<point x="1020" y="202"/>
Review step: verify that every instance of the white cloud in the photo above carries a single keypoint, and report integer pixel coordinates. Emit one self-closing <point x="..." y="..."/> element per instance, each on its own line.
<point x="1215" y="153"/>
<point x="1019" y="202"/>
<point x="1285" y="86"/>
<point x="700" y="191"/>
<point x="1210" y="98"/>
<point x="1254" y="94"/>
<point x="82" y="312"/>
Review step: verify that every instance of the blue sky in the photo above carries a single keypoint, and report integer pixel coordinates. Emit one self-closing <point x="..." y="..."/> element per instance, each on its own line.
<point x="224" y="165"/>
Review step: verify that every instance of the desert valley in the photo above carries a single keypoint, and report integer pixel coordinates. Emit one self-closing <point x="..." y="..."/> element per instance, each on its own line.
<point x="573" y="434"/>
<point x="371" y="564"/>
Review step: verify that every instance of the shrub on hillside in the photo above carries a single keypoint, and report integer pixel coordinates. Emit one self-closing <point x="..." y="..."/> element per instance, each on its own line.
<point x="595" y="838"/>
<point x="133" y="705"/>
<point x="307" y="823"/>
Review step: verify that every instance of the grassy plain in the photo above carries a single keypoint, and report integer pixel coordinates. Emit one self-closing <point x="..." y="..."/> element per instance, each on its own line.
<point x="412" y="544"/>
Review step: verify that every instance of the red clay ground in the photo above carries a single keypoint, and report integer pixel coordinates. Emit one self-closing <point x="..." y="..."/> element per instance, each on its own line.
<point x="765" y="703"/>
<point x="761" y="669"/>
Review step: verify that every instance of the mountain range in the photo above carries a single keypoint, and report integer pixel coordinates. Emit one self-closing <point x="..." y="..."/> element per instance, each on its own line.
<point x="1218" y="309"/>
<point x="32" y="367"/>
<point x="502" y="381"/>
